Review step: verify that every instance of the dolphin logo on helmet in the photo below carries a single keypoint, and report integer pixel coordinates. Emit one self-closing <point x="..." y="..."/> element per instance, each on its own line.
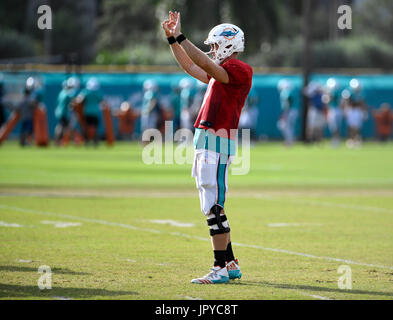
<point x="229" y="34"/>
<point x="229" y="39"/>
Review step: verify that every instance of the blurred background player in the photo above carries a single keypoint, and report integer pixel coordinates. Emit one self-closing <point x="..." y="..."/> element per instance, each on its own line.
<point x="151" y="113"/>
<point x="91" y="98"/>
<point x="197" y="101"/>
<point x="127" y="116"/>
<point x="63" y="110"/>
<point x="175" y="104"/>
<point x="38" y="91"/>
<point x="334" y="111"/>
<point x="26" y="111"/>
<point x="316" y="118"/>
<point x="186" y="98"/>
<point x="355" y="112"/>
<point x="383" y="121"/>
<point x="74" y="85"/>
<point x="249" y="116"/>
<point x="2" y="107"/>
<point x="289" y="113"/>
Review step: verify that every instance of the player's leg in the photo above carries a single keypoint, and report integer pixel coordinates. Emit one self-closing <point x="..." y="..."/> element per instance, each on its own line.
<point x="222" y="247"/>
<point x="358" y="136"/>
<point x="219" y="232"/>
<point x="219" y="239"/>
<point x="95" y="125"/>
<point x="351" y="137"/>
<point x="292" y="118"/>
<point x="222" y="241"/>
<point x="66" y="132"/>
<point x="59" y="130"/>
<point x="211" y="180"/>
<point x="205" y="173"/>
<point x="217" y="220"/>
<point x="26" y="132"/>
<point x="22" y="134"/>
<point x="310" y="124"/>
<point x="87" y="129"/>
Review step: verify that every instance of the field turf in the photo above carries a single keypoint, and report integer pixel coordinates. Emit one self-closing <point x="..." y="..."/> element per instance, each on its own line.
<point x="111" y="227"/>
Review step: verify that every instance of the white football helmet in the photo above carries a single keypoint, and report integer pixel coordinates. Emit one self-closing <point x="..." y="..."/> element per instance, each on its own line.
<point x="229" y="39"/>
<point x="73" y="82"/>
<point x="31" y="83"/>
<point x="355" y="84"/>
<point x="92" y="84"/>
<point x="150" y="85"/>
<point x="331" y="84"/>
<point x="186" y="83"/>
<point x="284" y="84"/>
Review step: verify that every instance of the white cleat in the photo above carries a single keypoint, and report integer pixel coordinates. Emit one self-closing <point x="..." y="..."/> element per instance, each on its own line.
<point x="215" y="276"/>
<point x="234" y="269"/>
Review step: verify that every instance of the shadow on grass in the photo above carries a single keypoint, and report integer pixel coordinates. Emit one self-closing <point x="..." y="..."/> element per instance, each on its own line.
<point x="21" y="291"/>
<point x="33" y="269"/>
<point x="311" y="288"/>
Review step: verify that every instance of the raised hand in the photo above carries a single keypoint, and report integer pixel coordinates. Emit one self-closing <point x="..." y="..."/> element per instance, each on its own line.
<point x="168" y="27"/>
<point x="175" y="19"/>
<point x="172" y="25"/>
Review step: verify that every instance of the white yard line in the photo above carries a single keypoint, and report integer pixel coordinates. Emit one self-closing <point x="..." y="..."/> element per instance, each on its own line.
<point x="290" y="224"/>
<point x="329" y="204"/>
<point x="10" y="225"/>
<point x="62" y="224"/>
<point x="191" y="298"/>
<point x="62" y="298"/>
<point x="178" y="234"/>
<point x="313" y="256"/>
<point x="133" y="194"/>
<point x="315" y="296"/>
<point x="343" y="205"/>
<point x="173" y="223"/>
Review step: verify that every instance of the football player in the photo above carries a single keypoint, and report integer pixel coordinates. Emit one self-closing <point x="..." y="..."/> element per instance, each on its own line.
<point x="229" y="82"/>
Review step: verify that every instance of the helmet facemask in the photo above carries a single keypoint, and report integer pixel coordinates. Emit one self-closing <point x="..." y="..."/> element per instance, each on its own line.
<point x="219" y="53"/>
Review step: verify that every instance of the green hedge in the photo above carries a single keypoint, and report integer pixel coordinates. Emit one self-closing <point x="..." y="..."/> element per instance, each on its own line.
<point x="364" y="52"/>
<point x="15" y="45"/>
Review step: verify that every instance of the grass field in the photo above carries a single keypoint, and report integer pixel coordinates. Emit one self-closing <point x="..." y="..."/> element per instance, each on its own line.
<point x="111" y="227"/>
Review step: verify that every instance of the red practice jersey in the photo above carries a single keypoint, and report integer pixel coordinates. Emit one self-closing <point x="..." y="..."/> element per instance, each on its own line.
<point x="223" y="103"/>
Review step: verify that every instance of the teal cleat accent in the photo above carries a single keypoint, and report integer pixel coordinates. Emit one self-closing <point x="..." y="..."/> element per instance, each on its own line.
<point x="222" y="280"/>
<point x="234" y="274"/>
<point x="234" y="270"/>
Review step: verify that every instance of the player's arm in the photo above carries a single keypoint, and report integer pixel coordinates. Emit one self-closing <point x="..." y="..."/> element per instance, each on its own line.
<point x="80" y="98"/>
<point x="197" y="56"/>
<point x="204" y="62"/>
<point x="187" y="64"/>
<point x="181" y="56"/>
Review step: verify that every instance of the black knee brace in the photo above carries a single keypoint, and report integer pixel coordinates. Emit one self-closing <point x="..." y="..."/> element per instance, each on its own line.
<point x="218" y="223"/>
